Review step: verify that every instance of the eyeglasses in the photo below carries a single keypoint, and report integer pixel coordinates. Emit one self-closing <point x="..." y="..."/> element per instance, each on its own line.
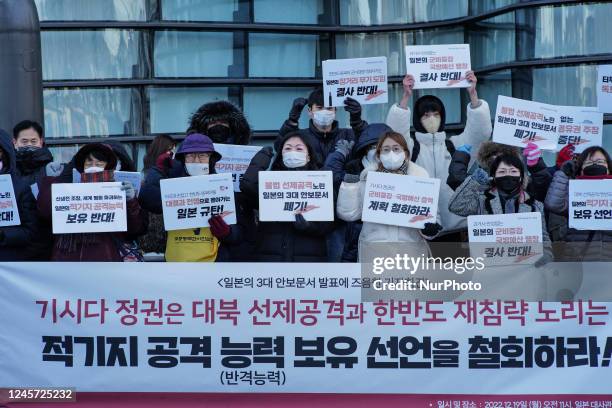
<point x="200" y="157"/>
<point x="600" y="162"/>
<point x="394" y="149"/>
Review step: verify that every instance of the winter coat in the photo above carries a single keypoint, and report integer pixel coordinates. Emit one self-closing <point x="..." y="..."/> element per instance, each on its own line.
<point x="434" y="155"/>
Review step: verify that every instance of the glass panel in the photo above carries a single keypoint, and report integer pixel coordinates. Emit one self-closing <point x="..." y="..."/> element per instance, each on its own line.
<point x="492" y="41"/>
<point x="102" y="54"/>
<point x="289" y="11"/>
<point x="92" y="112"/>
<point x="572" y="86"/>
<point x="171" y="107"/>
<point x="284" y="55"/>
<point x="377" y="12"/>
<point x="607" y="138"/>
<point x="268" y="108"/>
<point x="101" y="10"/>
<point x="195" y="54"/>
<point x="201" y="10"/>
<point x="482" y="6"/>
<point x="492" y="85"/>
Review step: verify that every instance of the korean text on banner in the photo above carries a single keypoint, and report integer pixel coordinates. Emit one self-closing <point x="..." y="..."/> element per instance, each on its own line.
<point x="519" y="122"/>
<point x="590" y="204"/>
<point x="438" y="66"/>
<point x="283" y="194"/>
<point x="189" y="202"/>
<point x="581" y="127"/>
<point x="604" y="88"/>
<point x="363" y="79"/>
<point x="88" y="207"/>
<point x="9" y="212"/>
<point x="404" y="201"/>
<point x="235" y="159"/>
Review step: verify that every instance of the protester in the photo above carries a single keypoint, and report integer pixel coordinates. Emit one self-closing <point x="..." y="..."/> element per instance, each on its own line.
<point x="432" y="149"/>
<point x="299" y="241"/>
<point x="95" y="162"/>
<point x="222" y="122"/>
<point x="391" y="156"/>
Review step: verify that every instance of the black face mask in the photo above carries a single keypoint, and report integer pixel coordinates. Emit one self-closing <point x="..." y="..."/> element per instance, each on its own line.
<point x="219" y="133"/>
<point x="595" y="170"/>
<point x="508" y="184"/>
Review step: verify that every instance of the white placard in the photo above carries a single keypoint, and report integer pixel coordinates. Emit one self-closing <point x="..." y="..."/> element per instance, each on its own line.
<point x="438" y="66"/>
<point x="363" y="79"/>
<point x="88" y="207"/>
<point x="235" y="159"/>
<point x="582" y="127"/>
<point x="604" y="88"/>
<point x="590" y="204"/>
<point x="189" y="202"/>
<point x="519" y="122"/>
<point x="9" y="212"/>
<point x="405" y="201"/>
<point x="283" y="194"/>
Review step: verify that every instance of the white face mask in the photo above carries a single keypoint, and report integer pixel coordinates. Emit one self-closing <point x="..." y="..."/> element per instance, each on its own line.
<point x="293" y="159"/>
<point x="369" y="160"/>
<point x="197" y="169"/>
<point x="323" y="117"/>
<point x="93" y="169"/>
<point x="392" y="161"/>
<point x="431" y="123"/>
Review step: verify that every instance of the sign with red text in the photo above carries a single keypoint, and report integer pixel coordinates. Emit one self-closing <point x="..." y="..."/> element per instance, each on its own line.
<point x="283" y="194"/>
<point x="235" y="159"/>
<point x="581" y="127"/>
<point x="363" y="79"/>
<point x="519" y="122"/>
<point x="604" y="88"/>
<point x="590" y="204"/>
<point x="438" y="66"/>
<point x="9" y="212"/>
<point x="405" y="201"/>
<point x="189" y="202"/>
<point x="88" y="207"/>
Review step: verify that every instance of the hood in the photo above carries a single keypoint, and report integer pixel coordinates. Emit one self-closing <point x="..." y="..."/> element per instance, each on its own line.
<point x="277" y="160"/>
<point x="370" y="136"/>
<point x="222" y="111"/>
<point x="127" y="164"/>
<point x="31" y="160"/>
<point x="9" y="161"/>
<point x="79" y="157"/>
<point x="489" y="149"/>
<point x="424" y="104"/>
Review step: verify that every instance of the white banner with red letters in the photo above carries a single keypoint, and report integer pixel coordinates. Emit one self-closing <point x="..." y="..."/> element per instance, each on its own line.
<point x="9" y="213"/>
<point x="292" y="328"/>
<point x="581" y="127"/>
<point x="604" y="88"/>
<point x="363" y="79"/>
<point x="438" y="66"/>
<point x="590" y="204"/>
<point x="235" y="159"/>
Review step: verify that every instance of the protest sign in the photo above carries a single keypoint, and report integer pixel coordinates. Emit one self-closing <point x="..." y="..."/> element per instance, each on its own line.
<point x="582" y="127"/>
<point x="88" y="207"/>
<point x="604" y="88"/>
<point x="189" y="202"/>
<point x="283" y="194"/>
<point x="518" y="237"/>
<point x="400" y="200"/>
<point x="235" y="159"/>
<point x="519" y="122"/>
<point x="363" y="79"/>
<point x="133" y="177"/>
<point x="438" y="66"/>
<point x="9" y="212"/>
<point x="590" y="204"/>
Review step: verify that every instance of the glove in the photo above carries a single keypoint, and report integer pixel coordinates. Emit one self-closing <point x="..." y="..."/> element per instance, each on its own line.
<point x="300" y="223"/>
<point x="351" y="178"/>
<point x="569" y="168"/>
<point x="296" y="109"/>
<point x="565" y="154"/>
<point x="268" y="151"/>
<point x="532" y="154"/>
<point x="54" y="169"/>
<point x="481" y="176"/>
<point x="354" y="109"/>
<point x="431" y="229"/>
<point x="130" y="191"/>
<point x="163" y="162"/>
<point x="344" y="147"/>
<point x="466" y="148"/>
<point x="218" y="227"/>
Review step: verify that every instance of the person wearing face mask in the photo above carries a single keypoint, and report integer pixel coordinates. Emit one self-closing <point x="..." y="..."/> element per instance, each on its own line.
<point x="222" y="122"/>
<point x="96" y="163"/>
<point x="392" y="156"/>
<point x="593" y="163"/>
<point x="196" y="156"/>
<point x="299" y="241"/>
<point x="432" y="148"/>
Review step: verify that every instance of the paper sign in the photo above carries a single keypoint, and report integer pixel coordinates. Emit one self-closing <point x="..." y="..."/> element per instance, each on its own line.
<point x="283" y="194"/>
<point x="76" y="176"/>
<point x="363" y="79"/>
<point x="604" y="88"/>
<point x="189" y="202"/>
<point x="405" y="201"/>
<point x="517" y="237"/>
<point x="590" y="204"/>
<point x="438" y="66"/>
<point x="519" y="122"/>
<point x="235" y="159"/>
<point x="88" y="207"/>
<point x="133" y="177"/>
<point x="9" y="212"/>
<point x="582" y="127"/>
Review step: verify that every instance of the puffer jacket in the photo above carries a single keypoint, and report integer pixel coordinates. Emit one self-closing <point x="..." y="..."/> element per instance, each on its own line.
<point x="350" y="207"/>
<point x="434" y="156"/>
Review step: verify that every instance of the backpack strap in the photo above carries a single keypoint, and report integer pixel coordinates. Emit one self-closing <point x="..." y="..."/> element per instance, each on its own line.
<point x="487" y="202"/>
<point x="416" y="148"/>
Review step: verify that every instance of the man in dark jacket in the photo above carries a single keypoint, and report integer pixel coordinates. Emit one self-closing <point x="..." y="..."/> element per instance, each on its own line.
<point x="222" y="121"/>
<point x="15" y="241"/>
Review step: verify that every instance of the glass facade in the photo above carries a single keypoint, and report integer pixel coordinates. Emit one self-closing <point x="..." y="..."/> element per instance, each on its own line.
<point x="139" y="68"/>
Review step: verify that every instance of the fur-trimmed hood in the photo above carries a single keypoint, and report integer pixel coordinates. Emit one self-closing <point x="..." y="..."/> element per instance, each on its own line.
<point x="221" y="111"/>
<point x="489" y="150"/>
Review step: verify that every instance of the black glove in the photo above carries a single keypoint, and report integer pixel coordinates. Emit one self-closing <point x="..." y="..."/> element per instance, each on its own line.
<point x="569" y="168"/>
<point x="354" y="109"/>
<point x="300" y="223"/>
<point x="431" y="229"/>
<point x="268" y="151"/>
<point x="296" y="109"/>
